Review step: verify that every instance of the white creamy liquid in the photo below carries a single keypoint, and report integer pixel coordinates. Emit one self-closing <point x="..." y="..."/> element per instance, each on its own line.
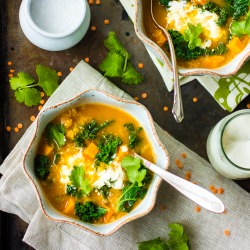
<point x="236" y="141"/>
<point x="56" y="16"/>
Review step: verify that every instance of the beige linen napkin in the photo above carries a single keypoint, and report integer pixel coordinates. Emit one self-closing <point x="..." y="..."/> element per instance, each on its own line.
<point x="205" y="229"/>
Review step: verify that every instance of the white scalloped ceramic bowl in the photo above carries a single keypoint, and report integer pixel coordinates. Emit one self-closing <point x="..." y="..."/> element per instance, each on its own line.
<point x="227" y="70"/>
<point x="133" y="108"/>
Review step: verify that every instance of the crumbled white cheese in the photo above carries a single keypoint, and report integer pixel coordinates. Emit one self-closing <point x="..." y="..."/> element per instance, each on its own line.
<point x="65" y="173"/>
<point x="113" y="176"/>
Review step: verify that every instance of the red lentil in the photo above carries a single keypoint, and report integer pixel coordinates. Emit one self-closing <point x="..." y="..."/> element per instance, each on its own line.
<point x="19" y="125"/>
<point x="140" y="65"/>
<point x="165" y="108"/>
<point x="32" y="118"/>
<point x="16" y="129"/>
<point x="71" y="68"/>
<point x="195" y="99"/>
<point x="42" y="94"/>
<point x="220" y="190"/>
<point x="59" y="73"/>
<point x="40" y="107"/>
<point x="136" y="98"/>
<point x="106" y="21"/>
<point x="8" y="128"/>
<point x="184" y="155"/>
<point x="248" y="105"/>
<point x="86" y="59"/>
<point x="226" y="232"/>
<point x="197" y="209"/>
<point x="93" y="28"/>
<point x="144" y="95"/>
<point x="9" y="63"/>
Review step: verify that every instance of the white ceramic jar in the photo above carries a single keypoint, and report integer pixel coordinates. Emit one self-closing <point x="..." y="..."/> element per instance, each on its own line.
<point x="54" y="25"/>
<point x="228" y="145"/>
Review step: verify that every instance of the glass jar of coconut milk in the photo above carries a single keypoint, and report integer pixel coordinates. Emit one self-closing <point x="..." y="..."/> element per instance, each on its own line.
<point x="228" y="145"/>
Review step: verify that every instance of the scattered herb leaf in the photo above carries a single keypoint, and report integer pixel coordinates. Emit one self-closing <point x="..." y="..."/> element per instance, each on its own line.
<point x="117" y="62"/>
<point x="191" y="35"/>
<point x="178" y="240"/>
<point x="240" y="28"/>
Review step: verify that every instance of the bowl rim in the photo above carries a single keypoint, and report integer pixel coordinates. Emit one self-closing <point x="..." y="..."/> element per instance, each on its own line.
<point x="81" y="223"/>
<point x="27" y="7"/>
<point x="190" y="72"/>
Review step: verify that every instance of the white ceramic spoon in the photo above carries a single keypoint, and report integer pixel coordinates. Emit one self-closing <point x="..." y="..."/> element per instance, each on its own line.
<point x="200" y="195"/>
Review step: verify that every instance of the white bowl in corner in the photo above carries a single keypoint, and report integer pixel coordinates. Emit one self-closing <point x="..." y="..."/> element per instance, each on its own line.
<point x="135" y="109"/>
<point x="227" y="70"/>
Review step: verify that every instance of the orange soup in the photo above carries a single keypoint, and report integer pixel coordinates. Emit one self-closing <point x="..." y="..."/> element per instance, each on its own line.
<point x="85" y="165"/>
<point x="205" y="33"/>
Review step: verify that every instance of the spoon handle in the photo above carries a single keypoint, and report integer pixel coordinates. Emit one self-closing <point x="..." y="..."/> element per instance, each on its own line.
<point x="194" y="192"/>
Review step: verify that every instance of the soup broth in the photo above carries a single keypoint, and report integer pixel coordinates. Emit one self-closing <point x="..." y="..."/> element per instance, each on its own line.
<point x="179" y="14"/>
<point x="86" y="147"/>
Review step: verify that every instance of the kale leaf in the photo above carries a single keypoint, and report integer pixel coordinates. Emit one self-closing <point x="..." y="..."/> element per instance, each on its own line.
<point x="42" y="166"/>
<point x="89" y="211"/>
<point x="104" y="190"/>
<point x="133" y="134"/>
<point x="107" y="145"/>
<point x="130" y="194"/>
<point x="89" y="131"/>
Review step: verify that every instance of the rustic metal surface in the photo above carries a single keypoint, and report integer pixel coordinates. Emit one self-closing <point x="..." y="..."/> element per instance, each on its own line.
<point x="193" y="131"/>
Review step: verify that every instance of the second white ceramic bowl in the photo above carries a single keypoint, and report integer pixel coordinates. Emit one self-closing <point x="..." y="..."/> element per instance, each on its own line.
<point x="229" y="69"/>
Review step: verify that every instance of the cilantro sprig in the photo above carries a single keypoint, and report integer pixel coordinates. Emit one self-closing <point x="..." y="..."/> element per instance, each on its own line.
<point x="25" y="86"/>
<point x="242" y="27"/>
<point x="191" y="35"/>
<point x="178" y="240"/>
<point x="117" y="62"/>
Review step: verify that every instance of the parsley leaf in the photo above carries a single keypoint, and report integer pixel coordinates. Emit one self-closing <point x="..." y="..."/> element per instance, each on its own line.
<point x="48" y="79"/>
<point x="25" y="86"/>
<point x="240" y="28"/>
<point x="178" y="240"/>
<point x="24" y="89"/>
<point x="78" y="181"/>
<point x="55" y="133"/>
<point x="191" y="35"/>
<point x="117" y="64"/>
<point x="133" y="168"/>
<point x="29" y="96"/>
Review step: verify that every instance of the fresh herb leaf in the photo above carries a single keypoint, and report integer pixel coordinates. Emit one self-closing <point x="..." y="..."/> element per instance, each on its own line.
<point x="178" y="240"/>
<point x="239" y="8"/>
<point x="104" y="190"/>
<point x="24" y="89"/>
<point x="165" y="2"/>
<point x="155" y="244"/>
<point x="218" y="10"/>
<point x="107" y="145"/>
<point x="48" y="79"/>
<point x="55" y="133"/>
<point x="130" y="194"/>
<point x="133" y="166"/>
<point x="114" y="45"/>
<point x="240" y="28"/>
<point x="112" y="65"/>
<point x="133" y="134"/>
<point x="131" y="76"/>
<point x="191" y="35"/>
<point x="42" y="166"/>
<point x="89" y="211"/>
<point x="71" y="190"/>
<point x="89" y="131"/>
<point x="79" y="181"/>
<point x="117" y="62"/>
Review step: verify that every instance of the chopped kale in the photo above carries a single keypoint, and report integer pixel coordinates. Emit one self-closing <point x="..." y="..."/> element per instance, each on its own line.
<point x="107" y="145"/>
<point x="42" y="166"/>
<point x="89" y="211"/>
<point x="133" y="134"/>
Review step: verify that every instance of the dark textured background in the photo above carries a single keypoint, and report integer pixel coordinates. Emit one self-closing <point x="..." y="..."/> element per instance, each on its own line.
<point x="200" y="117"/>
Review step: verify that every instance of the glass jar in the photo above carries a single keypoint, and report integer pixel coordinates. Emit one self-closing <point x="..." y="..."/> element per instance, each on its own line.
<point x="228" y="145"/>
